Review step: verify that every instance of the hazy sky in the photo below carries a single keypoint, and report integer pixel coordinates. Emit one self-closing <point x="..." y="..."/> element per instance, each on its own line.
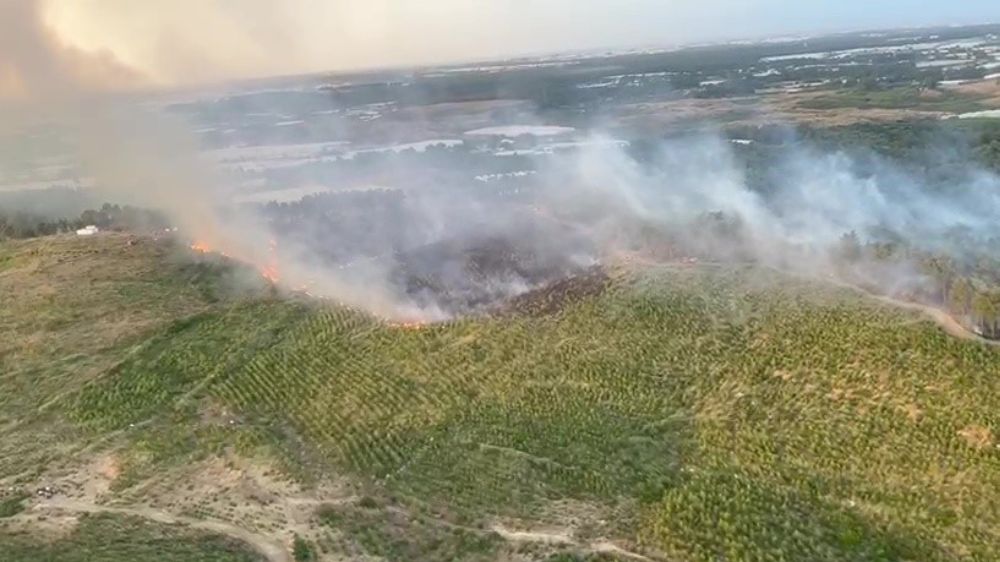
<point x="180" y="41"/>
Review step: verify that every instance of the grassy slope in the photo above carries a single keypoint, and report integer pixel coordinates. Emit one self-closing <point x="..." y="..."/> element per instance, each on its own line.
<point x="73" y="309"/>
<point x="703" y="414"/>
<point x="112" y="538"/>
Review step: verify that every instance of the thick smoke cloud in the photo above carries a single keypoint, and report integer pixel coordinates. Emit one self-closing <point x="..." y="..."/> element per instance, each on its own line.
<point x="35" y="66"/>
<point x="815" y="198"/>
<point x="601" y="203"/>
<point x="134" y="155"/>
<point x="141" y="156"/>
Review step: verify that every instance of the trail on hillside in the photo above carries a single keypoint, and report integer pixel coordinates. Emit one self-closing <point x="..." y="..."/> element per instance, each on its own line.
<point x="534" y="536"/>
<point x="946" y="321"/>
<point x="273" y="550"/>
<point x="564" y="538"/>
<point x="943" y="319"/>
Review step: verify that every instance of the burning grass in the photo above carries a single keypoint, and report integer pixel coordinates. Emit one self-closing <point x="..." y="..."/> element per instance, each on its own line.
<point x="269" y="270"/>
<point x="201" y="248"/>
<point x="444" y="280"/>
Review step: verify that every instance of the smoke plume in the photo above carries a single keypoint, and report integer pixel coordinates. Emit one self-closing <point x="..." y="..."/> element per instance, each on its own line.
<point x="37" y="67"/>
<point x="437" y="247"/>
<point x="135" y="155"/>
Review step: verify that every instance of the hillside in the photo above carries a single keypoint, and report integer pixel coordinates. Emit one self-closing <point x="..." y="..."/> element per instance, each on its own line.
<point x="682" y="413"/>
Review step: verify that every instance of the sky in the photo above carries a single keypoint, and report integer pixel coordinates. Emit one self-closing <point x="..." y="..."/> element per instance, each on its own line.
<point x="190" y="41"/>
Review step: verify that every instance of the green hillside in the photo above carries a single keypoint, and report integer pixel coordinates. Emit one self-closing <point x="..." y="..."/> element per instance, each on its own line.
<point x="685" y="413"/>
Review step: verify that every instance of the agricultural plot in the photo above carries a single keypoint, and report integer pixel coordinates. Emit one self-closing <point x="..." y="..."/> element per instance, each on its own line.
<point x="694" y="413"/>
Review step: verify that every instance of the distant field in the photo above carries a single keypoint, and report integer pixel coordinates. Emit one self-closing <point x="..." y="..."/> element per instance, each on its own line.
<point x="946" y="101"/>
<point x="686" y="413"/>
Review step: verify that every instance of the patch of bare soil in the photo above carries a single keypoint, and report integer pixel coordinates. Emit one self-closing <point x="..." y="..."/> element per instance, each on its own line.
<point x="228" y="495"/>
<point x="788" y="107"/>
<point x="654" y="116"/>
<point x="757" y="110"/>
<point x="977" y="436"/>
<point x="49" y="527"/>
<point x="564" y="537"/>
<point x="274" y="551"/>
<point x="989" y="89"/>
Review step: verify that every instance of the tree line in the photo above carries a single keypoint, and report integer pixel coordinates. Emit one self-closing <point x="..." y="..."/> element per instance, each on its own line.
<point x="22" y="224"/>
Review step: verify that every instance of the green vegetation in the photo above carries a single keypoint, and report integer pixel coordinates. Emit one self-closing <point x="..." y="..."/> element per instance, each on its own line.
<point x="302" y="551"/>
<point x="25" y="224"/>
<point x="393" y="534"/>
<point x="11" y="506"/>
<point x="82" y="307"/>
<point x="694" y="413"/>
<point x="908" y="97"/>
<point x="110" y="538"/>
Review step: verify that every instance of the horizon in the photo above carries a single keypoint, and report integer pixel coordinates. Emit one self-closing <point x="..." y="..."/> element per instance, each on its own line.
<point x="569" y="54"/>
<point x="191" y="43"/>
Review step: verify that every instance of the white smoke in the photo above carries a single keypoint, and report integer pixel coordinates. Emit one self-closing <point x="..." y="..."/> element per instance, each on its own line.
<point x="586" y="204"/>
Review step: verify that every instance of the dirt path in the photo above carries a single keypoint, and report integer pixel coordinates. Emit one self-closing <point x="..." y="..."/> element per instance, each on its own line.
<point x="534" y="536"/>
<point x="947" y="323"/>
<point x="273" y="550"/>
<point x="608" y="547"/>
<point x="564" y="538"/>
<point x="944" y="320"/>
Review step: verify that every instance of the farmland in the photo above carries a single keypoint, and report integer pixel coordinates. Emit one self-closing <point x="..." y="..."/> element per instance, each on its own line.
<point x="682" y="413"/>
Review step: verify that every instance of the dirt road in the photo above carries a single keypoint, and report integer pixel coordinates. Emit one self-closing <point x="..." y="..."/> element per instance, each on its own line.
<point x="273" y="550"/>
<point x="947" y="323"/>
<point x="564" y="538"/>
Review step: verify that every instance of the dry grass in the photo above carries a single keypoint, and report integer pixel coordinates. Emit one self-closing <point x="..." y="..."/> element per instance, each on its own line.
<point x="791" y="107"/>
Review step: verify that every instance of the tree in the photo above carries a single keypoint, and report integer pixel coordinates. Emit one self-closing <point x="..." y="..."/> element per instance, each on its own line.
<point x="942" y="270"/>
<point x="961" y="295"/>
<point x="993" y="321"/>
<point x="850" y="247"/>
<point x="985" y="311"/>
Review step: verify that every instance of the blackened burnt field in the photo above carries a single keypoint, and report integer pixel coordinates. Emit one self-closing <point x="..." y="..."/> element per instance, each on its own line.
<point x="460" y="259"/>
<point x="683" y="412"/>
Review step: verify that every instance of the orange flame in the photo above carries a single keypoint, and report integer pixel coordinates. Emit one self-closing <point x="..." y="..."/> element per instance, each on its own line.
<point x="268" y="271"/>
